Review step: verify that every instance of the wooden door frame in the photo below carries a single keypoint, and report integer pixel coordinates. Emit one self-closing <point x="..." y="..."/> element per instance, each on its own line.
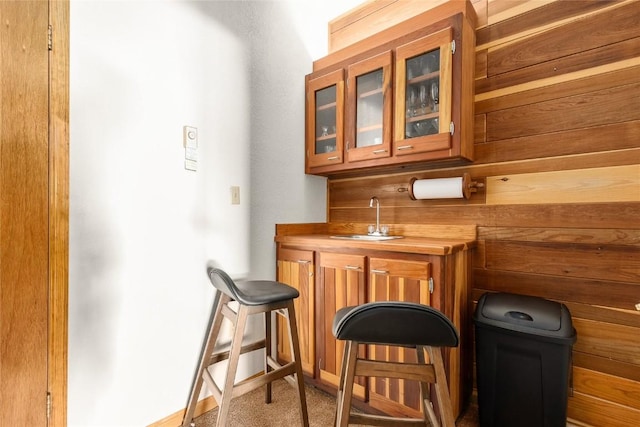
<point x="58" y="210"/>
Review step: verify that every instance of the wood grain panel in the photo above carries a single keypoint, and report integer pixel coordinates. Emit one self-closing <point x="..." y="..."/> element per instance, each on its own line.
<point x="562" y="235"/>
<point x="502" y="10"/>
<point x="541" y="15"/>
<point x="598" y="58"/>
<point x="586" y="110"/>
<point x="616" y="136"/>
<point x="607" y="365"/>
<point x="622" y="295"/>
<point x="613" y="184"/>
<point x="24" y="213"/>
<point x="608" y="340"/>
<point x="598" y="412"/>
<point x="561" y="41"/>
<point x="612" y="388"/>
<point x="612" y="263"/>
<point x="587" y="215"/>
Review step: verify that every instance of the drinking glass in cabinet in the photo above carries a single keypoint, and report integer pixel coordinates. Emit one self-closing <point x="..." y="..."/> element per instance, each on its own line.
<point x="325" y="120"/>
<point x="422" y="94"/>
<point x="369" y="109"/>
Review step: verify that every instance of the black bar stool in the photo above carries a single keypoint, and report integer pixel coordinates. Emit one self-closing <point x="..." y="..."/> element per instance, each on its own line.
<point x="401" y="324"/>
<point x="257" y="296"/>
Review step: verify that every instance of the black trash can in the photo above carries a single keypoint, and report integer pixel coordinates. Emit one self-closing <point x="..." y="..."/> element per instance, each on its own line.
<point x="523" y="360"/>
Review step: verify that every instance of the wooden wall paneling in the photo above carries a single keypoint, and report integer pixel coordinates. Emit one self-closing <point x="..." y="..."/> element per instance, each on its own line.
<point x="562" y="69"/>
<point x="539" y="15"/>
<point x="610" y="387"/>
<point x="611" y="184"/>
<point x="593" y="411"/>
<point x="588" y="109"/>
<point x="576" y="83"/>
<point x="596" y="215"/>
<point x="610" y="137"/>
<point x="617" y="342"/>
<point x="612" y="263"/>
<point x="502" y="10"/>
<point x="607" y="366"/>
<point x="559" y="41"/>
<point x="605" y="293"/>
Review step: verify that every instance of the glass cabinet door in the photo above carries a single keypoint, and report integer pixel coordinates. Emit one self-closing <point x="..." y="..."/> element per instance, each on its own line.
<point x="325" y="115"/>
<point x="423" y="94"/>
<point x="368" y="122"/>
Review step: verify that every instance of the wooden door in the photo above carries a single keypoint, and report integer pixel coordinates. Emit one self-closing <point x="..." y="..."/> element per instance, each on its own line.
<point x="296" y="269"/>
<point x="33" y="212"/>
<point x="325" y="120"/>
<point x="368" y="110"/>
<point x="342" y="284"/>
<point x="397" y="280"/>
<point x="24" y="243"/>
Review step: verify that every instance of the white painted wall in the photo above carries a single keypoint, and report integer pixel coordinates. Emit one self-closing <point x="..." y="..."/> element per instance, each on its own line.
<point x="141" y="227"/>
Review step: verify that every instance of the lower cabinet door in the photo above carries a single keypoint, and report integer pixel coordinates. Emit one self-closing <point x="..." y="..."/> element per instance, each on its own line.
<point x="397" y="280"/>
<point x="341" y="284"/>
<point x="296" y="269"/>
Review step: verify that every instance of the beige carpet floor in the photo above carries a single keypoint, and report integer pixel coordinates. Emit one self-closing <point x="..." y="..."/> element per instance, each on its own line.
<point x="251" y="411"/>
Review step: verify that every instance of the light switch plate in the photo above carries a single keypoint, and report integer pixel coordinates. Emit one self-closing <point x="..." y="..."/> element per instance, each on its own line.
<point x="235" y="195"/>
<point x="191" y="165"/>
<point x="190" y="137"/>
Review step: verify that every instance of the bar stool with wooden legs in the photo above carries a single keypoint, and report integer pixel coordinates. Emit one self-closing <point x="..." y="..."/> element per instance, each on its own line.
<point x="257" y="296"/>
<point x="403" y="324"/>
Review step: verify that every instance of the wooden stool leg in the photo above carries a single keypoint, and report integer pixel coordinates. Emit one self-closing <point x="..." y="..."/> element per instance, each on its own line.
<point x="343" y="369"/>
<point x="442" y="390"/>
<point x="295" y="351"/>
<point x="344" y="405"/>
<point x="207" y="349"/>
<point x="429" y="413"/>
<point x="234" y="358"/>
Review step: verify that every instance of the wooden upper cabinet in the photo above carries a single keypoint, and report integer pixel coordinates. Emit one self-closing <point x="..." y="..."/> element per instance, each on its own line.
<point x="409" y="99"/>
<point x="423" y="87"/>
<point x="368" y="119"/>
<point x="324" y="118"/>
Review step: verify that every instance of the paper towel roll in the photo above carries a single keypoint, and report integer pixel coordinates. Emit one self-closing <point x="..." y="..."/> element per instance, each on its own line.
<point x="439" y="188"/>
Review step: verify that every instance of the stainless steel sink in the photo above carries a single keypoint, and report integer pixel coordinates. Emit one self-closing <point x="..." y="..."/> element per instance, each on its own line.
<point x="365" y="237"/>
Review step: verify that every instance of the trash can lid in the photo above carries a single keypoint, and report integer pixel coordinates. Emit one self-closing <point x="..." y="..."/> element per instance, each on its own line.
<point x="525" y="314"/>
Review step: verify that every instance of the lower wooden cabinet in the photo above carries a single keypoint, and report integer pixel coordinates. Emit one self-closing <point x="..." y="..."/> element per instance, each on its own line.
<point x="296" y="269"/>
<point x="341" y="284"/>
<point x="397" y="280"/>
<point x="331" y="279"/>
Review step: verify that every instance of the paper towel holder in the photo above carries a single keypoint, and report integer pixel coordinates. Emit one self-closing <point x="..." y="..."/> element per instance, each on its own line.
<point x="468" y="186"/>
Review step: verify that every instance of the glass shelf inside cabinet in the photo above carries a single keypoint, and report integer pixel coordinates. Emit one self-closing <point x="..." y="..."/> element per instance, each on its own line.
<point x="422" y="94"/>
<point x="369" y="109"/>
<point x="326" y="118"/>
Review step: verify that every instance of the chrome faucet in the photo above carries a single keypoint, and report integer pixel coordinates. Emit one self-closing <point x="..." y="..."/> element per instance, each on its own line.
<point x="375" y="199"/>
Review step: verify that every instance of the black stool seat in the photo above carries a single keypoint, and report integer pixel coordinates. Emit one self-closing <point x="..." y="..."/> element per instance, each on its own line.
<point x="400" y="324"/>
<point x="395" y="323"/>
<point x="253" y="292"/>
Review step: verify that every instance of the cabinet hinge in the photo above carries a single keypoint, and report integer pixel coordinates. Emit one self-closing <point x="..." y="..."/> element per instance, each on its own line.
<point x="453" y="47"/>
<point x="452" y="128"/>
<point x="50" y="37"/>
<point x="48" y="405"/>
<point x="430" y="285"/>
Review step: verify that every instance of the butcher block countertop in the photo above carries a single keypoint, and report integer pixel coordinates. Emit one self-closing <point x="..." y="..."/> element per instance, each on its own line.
<point x="418" y="239"/>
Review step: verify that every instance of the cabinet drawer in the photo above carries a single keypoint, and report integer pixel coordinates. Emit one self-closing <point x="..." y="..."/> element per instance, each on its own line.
<point x="408" y="269"/>
<point x="342" y="261"/>
<point x="296" y="255"/>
